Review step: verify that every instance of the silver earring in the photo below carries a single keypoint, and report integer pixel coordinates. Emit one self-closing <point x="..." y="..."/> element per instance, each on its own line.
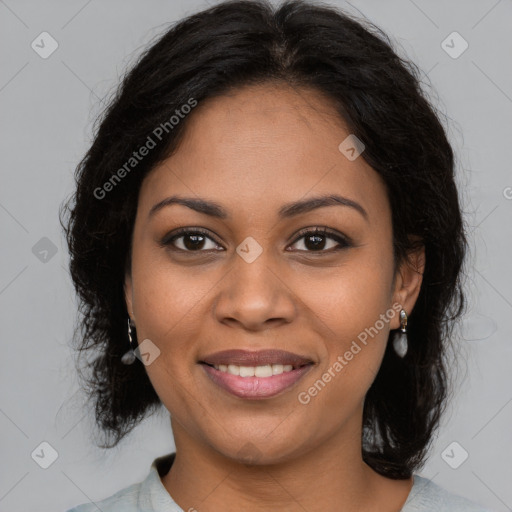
<point x="129" y="357"/>
<point x="400" y="338"/>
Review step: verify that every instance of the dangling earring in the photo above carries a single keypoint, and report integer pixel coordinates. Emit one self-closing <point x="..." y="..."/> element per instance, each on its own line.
<point x="400" y="338"/>
<point x="129" y="357"/>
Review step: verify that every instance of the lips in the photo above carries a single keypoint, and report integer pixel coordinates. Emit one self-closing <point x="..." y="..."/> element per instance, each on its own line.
<point x="255" y="375"/>
<point x="255" y="358"/>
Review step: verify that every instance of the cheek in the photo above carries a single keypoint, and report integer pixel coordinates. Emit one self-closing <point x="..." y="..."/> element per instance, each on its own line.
<point x="166" y="297"/>
<point x="353" y="295"/>
<point x="347" y="309"/>
<point x="168" y="304"/>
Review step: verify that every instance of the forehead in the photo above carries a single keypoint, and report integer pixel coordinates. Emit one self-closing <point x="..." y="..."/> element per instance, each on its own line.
<point x="263" y="145"/>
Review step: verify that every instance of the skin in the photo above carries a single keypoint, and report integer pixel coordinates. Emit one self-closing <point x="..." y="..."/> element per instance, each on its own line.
<point x="252" y="151"/>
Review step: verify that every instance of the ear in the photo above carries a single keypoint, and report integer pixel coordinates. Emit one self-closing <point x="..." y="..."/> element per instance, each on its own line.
<point x="408" y="282"/>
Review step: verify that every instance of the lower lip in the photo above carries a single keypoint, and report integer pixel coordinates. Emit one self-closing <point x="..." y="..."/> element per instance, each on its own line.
<point x="255" y="388"/>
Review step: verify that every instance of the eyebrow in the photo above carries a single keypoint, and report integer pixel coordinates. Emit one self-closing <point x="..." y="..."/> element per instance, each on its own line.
<point x="286" y="211"/>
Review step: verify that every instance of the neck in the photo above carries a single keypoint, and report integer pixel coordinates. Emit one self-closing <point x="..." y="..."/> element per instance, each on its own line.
<point x="326" y="478"/>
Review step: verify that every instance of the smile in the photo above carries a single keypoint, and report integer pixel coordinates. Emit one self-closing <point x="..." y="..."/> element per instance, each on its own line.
<point x="254" y="371"/>
<point x="255" y="382"/>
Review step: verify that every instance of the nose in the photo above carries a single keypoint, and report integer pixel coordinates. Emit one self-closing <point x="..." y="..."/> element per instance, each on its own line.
<point x="254" y="295"/>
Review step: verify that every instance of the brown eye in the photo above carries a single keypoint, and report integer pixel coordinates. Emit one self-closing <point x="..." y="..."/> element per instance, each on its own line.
<point x="317" y="240"/>
<point x="190" y="240"/>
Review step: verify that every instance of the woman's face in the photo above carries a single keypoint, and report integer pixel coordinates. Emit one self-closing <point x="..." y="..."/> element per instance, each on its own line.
<point x="255" y="279"/>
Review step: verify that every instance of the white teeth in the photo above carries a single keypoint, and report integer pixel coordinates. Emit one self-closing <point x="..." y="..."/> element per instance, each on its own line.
<point x="277" y="369"/>
<point x="254" y="371"/>
<point x="263" y="371"/>
<point x="233" y="369"/>
<point x="247" y="371"/>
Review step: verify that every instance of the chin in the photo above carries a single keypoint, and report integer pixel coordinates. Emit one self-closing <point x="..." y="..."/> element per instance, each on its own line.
<point x="259" y="450"/>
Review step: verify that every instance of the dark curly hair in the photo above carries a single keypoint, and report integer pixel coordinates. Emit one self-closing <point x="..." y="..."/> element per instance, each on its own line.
<point x="378" y="95"/>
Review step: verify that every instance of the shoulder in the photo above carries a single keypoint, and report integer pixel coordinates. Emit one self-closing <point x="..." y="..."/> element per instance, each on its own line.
<point x="126" y="500"/>
<point x="426" y="496"/>
<point x="146" y="496"/>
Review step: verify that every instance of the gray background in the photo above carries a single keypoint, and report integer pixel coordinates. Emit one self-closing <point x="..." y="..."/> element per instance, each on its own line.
<point x="48" y="106"/>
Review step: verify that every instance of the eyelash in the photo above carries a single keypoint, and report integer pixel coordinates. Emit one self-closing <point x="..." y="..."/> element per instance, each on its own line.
<point x="343" y="241"/>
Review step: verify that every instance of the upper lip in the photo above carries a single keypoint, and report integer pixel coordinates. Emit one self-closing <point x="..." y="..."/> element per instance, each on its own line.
<point x="255" y="358"/>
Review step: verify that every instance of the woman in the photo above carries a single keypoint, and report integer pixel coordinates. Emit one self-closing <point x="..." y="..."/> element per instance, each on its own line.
<point x="266" y="239"/>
